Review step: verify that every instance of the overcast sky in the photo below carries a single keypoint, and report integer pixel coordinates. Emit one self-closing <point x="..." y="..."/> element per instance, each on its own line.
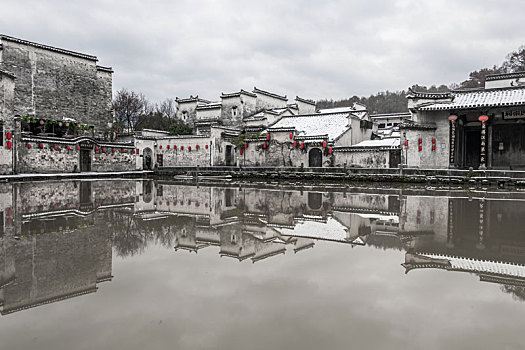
<point x="314" y="49"/>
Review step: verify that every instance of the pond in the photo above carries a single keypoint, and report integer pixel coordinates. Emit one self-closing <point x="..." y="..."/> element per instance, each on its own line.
<point x="141" y="264"/>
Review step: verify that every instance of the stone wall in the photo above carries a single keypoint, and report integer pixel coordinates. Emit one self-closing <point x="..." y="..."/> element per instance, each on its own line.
<point x="363" y="158"/>
<point x="426" y="158"/>
<point x="52" y="156"/>
<point x="7" y="127"/>
<point x="54" y="84"/>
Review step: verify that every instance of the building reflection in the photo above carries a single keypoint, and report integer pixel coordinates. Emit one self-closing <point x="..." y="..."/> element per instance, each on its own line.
<point x="57" y="238"/>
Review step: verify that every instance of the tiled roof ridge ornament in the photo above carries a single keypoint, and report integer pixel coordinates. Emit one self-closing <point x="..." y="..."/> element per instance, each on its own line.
<point x="431" y="95"/>
<point x="304" y="100"/>
<point x="500" y="76"/>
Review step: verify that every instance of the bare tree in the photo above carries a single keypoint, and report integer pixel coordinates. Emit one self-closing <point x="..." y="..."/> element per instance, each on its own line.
<point x="167" y="109"/>
<point x="128" y="106"/>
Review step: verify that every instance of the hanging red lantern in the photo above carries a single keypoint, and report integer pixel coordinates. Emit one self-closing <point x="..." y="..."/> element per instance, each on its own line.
<point x="68" y="148"/>
<point x="291" y="135"/>
<point x="137" y="150"/>
<point x="9" y="145"/>
<point x="302" y="144"/>
<point x="41" y="122"/>
<point x="433" y="147"/>
<point x="240" y="152"/>
<point x="406" y="143"/>
<point x="28" y="146"/>
<point x="483" y="119"/>
<point x="189" y="148"/>
<point x="55" y="147"/>
<point x="264" y="145"/>
<point x="295" y="143"/>
<point x="206" y="146"/>
<point x="420" y="148"/>
<point x="113" y="150"/>
<point x="433" y="141"/>
<point x="103" y="150"/>
<point x="245" y="145"/>
<point x="133" y="152"/>
<point x="268" y="137"/>
<point x="41" y="145"/>
<point x="8" y="135"/>
<point x="78" y="148"/>
<point x="420" y="140"/>
<point x="182" y="148"/>
<point x="324" y="144"/>
<point x="329" y="150"/>
<point x="197" y="147"/>
<point x="160" y="147"/>
<point x="96" y="148"/>
<point x="123" y="150"/>
<point x="168" y="147"/>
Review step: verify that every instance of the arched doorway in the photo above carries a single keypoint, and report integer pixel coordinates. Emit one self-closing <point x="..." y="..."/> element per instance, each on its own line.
<point x="147" y="160"/>
<point x="315" y="158"/>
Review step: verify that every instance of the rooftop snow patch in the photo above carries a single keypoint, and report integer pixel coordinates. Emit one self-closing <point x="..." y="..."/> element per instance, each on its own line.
<point x="481" y="98"/>
<point x="333" y="125"/>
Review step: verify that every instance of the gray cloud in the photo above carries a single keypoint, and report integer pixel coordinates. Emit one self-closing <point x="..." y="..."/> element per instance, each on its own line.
<point x="316" y="49"/>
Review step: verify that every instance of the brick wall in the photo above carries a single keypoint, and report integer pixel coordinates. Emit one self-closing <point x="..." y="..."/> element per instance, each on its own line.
<point x="54" y="85"/>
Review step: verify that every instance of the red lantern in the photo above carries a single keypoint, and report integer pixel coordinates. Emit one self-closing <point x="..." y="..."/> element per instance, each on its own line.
<point x="240" y="152"/>
<point x="137" y="150"/>
<point x="160" y="147"/>
<point x="433" y="147"/>
<point x="182" y="148"/>
<point x="113" y="150"/>
<point x="68" y="148"/>
<point x="206" y="146"/>
<point x="41" y="145"/>
<point x="189" y="148"/>
<point x="291" y="135"/>
<point x="41" y="122"/>
<point x="28" y="146"/>
<point x="133" y="151"/>
<point x="103" y="150"/>
<point x="302" y="144"/>
<point x="8" y="135"/>
<point x="329" y="150"/>
<point x="264" y="145"/>
<point x="123" y="150"/>
<point x="433" y="141"/>
<point x="483" y="118"/>
<point x="197" y="147"/>
<point x="295" y="143"/>
<point x="324" y="144"/>
<point x="420" y="148"/>
<point x="420" y="140"/>
<point x="9" y="145"/>
<point x="168" y="147"/>
<point x="268" y="137"/>
<point x="55" y="147"/>
<point x="452" y="118"/>
<point x="406" y="143"/>
<point x="96" y="148"/>
<point x="245" y="145"/>
<point x="78" y="148"/>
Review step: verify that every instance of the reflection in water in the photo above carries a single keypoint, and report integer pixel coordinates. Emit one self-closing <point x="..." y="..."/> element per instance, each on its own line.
<point x="57" y="238"/>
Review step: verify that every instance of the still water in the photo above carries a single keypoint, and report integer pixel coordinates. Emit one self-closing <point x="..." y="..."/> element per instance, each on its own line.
<point x="126" y="264"/>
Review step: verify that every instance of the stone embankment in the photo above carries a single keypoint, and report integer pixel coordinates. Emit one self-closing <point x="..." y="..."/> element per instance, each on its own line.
<point x="482" y="178"/>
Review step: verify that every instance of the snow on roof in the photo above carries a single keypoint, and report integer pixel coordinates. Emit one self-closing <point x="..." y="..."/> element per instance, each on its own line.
<point x="387" y="142"/>
<point x="481" y="98"/>
<point x="332" y="230"/>
<point x="484" y="266"/>
<point x="333" y="125"/>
